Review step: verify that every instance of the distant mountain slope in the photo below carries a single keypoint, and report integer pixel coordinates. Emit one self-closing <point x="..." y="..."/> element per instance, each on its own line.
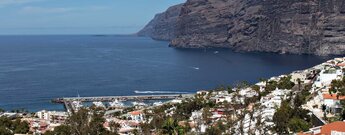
<point x="284" y="26"/>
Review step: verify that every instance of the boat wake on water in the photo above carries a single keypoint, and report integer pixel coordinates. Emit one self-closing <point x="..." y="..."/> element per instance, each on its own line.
<point x="196" y="68"/>
<point x="159" y="92"/>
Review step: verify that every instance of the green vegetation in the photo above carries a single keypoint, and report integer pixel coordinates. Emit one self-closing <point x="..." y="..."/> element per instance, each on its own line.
<point x="170" y="127"/>
<point x="213" y="130"/>
<point x="9" y="127"/>
<point x="301" y="98"/>
<point x="283" y="83"/>
<point x="161" y="122"/>
<point x="271" y="86"/>
<point x="83" y="122"/>
<point x="227" y="88"/>
<point x="5" y="131"/>
<point x="288" y="119"/>
<point x="185" y="109"/>
<point x="281" y="118"/>
<point x="297" y="125"/>
<point x="293" y="118"/>
<point x="60" y="130"/>
<point x="338" y="86"/>
<point x="255" y="88"/>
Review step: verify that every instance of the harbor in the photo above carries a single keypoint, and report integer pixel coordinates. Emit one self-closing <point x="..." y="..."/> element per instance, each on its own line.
<point x="72" y="104"/>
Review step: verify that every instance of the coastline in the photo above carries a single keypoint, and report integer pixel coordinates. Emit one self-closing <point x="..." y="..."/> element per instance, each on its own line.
<point x="262" y="101"/>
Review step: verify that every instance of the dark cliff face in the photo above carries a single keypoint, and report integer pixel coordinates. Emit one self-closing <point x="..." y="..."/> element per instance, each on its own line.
<point x="163" y="25"/>
<point x="291" y="26"/>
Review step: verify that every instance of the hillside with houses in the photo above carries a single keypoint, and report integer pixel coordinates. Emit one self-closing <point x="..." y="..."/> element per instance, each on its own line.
<point x="305" y="102"/>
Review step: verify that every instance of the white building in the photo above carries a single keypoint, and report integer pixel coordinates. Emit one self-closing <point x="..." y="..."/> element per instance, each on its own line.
<point x="8" y="115"/>
<point x="202" y="92"/>
<point x="269" y="104"/>
<point x="262" y="85"/>
<point x="335" y="128"/>
<point x="301" y="75"/>
<point x="327" y="76"/>
<point x="196" y="115"/>
<point x="248" y="92"/>
<point x="176" y="101"/>
<point x="332" y="101"/>
<point x="43" y="115"/>
<point x="221" y="99"/>
<point x="136" y="116"/>
<point x="52" y="116"/>
<point x="275" y="98"/>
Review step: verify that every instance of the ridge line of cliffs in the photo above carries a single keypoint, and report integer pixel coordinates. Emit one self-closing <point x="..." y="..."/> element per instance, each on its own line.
<point x="284" y="26"/>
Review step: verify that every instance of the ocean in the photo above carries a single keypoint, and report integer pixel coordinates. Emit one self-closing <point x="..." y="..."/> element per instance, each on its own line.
<point x="36" y="69"/>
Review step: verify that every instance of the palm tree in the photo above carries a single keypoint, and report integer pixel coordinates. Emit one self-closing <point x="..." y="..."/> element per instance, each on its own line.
<point x="170" y="127"/>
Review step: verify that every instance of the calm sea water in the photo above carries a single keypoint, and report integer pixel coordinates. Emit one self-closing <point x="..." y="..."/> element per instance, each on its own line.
<point x="35" y="69"/>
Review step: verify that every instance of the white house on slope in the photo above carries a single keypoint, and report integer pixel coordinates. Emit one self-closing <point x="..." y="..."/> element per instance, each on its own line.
<point x="327" y="76"/>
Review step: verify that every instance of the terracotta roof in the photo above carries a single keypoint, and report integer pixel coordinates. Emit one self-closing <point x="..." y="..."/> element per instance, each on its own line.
<point x="135" y="112"/>
<point x="335" y="126"/>
<point x="341" y="64"/>
<point x="333" y="96"/>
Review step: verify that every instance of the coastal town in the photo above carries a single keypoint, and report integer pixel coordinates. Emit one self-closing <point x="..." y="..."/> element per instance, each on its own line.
<point x="305" y="102"/>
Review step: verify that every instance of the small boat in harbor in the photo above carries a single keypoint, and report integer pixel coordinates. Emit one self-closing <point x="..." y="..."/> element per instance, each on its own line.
<point x="116" y="103"/>
<point x="98" y="104"/>
<point x="158" y="103"/>
<point x="77" y="105"/>
<point x="139" y="104"/>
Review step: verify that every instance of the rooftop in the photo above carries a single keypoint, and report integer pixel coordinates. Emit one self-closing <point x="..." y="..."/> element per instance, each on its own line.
<point x="338" y="126"/>
<point x="333" y="96"/>
<point x="135" y="112"/>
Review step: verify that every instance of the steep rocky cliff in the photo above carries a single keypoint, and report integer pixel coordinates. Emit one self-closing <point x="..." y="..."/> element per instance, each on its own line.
<point x="162" y="26"/>
<point x="284" y="26"/>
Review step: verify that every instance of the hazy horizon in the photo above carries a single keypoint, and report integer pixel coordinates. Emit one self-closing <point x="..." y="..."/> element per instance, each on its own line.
<point x="63" y="17"/>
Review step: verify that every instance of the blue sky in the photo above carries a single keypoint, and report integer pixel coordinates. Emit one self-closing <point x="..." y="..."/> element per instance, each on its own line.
<point x="23" y="17"/>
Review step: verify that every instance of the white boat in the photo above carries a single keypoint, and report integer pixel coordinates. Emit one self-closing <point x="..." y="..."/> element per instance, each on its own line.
<point x="116" y="103"/>
<point x="139" y="104"/>
<point x="77" y="104"/>
<point x="196" y="68"/>
<point x="158" y="103"/>
<point x="216" y="52"/>
<point x="98" y="104"/>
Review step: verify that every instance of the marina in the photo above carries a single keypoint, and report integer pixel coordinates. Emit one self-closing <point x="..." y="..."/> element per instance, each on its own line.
<point x="75" y="103"/>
